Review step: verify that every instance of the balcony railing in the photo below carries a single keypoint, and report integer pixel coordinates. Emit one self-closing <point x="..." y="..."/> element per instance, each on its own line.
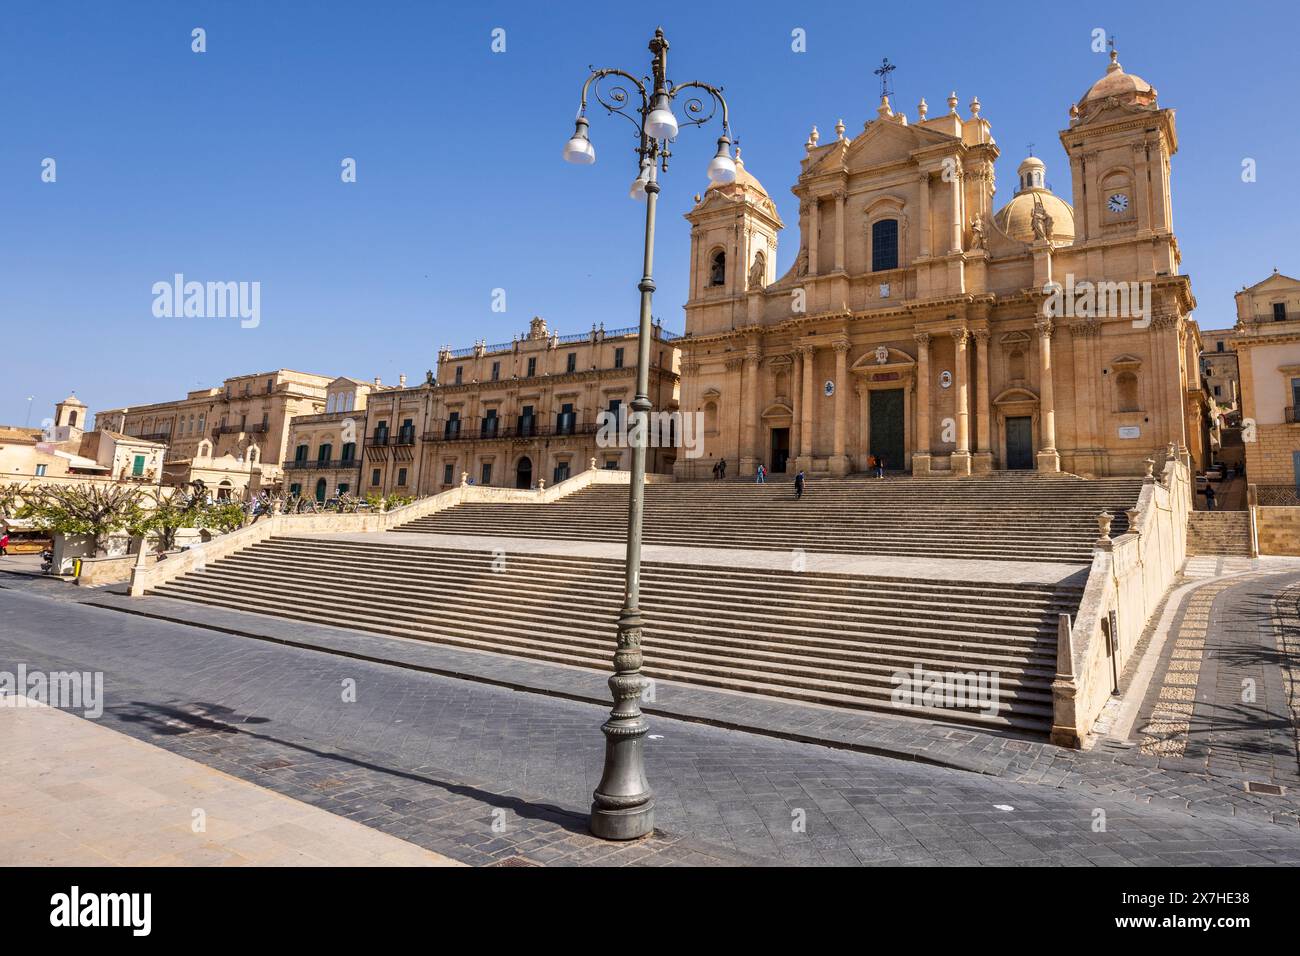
<point x="318" y="464"/>
<point x="257" y="429"/>
<point x="469" y="429"/>
<point x="1292" y="413"/>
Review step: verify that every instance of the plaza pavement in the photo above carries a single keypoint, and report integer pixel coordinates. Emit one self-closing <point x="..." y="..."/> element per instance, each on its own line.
<point x="436" y="760"/>
<point x="75" y="793"/>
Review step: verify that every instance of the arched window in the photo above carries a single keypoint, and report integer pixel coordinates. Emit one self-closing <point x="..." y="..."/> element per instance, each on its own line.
<point x="718" y="268"/>
<point x="72" y="419"/>
<point x="1126" y="387"/>
<point x="884" y="245"/>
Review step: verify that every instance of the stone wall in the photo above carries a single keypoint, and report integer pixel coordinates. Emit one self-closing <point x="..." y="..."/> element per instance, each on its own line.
<point x="1279" y="530"/>
<point x="1129" y="576"/>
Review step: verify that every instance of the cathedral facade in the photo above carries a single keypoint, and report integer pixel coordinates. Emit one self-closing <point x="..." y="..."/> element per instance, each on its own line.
<point x="924" y="325"/>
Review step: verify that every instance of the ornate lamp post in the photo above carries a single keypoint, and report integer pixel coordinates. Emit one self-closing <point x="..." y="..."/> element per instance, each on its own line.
<point x="623" y="805"/>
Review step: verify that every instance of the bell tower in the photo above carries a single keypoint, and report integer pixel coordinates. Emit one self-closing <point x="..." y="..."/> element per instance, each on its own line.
<point x="69" y="419"/>
<point x="733" y="251"/>
<point x="1120" y="143"/>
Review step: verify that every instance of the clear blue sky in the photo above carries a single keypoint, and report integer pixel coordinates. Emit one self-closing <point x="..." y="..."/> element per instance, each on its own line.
<point x="225" y="165"/>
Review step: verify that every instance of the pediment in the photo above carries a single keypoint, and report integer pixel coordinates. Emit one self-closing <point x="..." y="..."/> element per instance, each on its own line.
<point x="885" y="141"/>
<point x="1276" y="281"/>
<point x="895" y="360"/>
<point x="1015" y="394"/>
<point x="711" y="394"/>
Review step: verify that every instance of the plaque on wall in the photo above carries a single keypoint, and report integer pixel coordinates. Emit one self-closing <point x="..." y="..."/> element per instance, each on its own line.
<point x="945" y="379"/>
<point x="830" y="388"/>
<point x="1130" y="431"/>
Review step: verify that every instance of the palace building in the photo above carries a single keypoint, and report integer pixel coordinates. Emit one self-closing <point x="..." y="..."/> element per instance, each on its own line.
<point x="515" y="415"/>
<point x="918" y="322"/>
<point x="1267" y="342"/>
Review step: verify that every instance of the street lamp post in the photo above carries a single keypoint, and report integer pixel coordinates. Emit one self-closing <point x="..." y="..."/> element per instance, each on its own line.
<point x="623" y="805"/>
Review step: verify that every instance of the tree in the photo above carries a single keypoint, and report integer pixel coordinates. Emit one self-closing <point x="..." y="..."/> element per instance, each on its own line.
<point x="93" y="510"/>
<point x="10" y="497"/>
<point x="169" y="514"/>
<point x="225" y="516"/>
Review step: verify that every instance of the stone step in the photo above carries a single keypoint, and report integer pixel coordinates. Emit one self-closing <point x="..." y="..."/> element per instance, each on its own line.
<point x="833" y="639"/>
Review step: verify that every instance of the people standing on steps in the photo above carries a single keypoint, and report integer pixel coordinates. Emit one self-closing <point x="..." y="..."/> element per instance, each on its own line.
<point x="798" y="486"/>
<point x="880" y="466"/>
<point x="717" y="470"/>
<point x="762" y="474"/>
<point x="1209" y="497"/>
<point x="722" y="468"/>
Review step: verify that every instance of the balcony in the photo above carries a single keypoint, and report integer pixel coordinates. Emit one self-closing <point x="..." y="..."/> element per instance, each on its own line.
<point x="316" y="464"/>
<point x="257" y="429"/>
<point x="488" y="429"/>
<point x="1292" y="413"/>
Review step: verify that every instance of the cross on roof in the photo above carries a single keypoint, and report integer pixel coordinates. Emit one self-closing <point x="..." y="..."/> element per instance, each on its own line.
<point x="883" y="72"/>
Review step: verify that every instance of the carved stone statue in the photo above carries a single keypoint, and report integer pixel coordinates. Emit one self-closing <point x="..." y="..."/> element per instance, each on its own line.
<point x="882" y="355"/>
<point x="1042" y="222"/>
<point x="801" y="264"/>
<point x="757" y="272"/>
<point x="977" y="232"/>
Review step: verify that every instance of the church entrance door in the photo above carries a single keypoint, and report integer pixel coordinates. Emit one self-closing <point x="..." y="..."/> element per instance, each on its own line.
<point x="1020" y="443"/>
<point x="887" y="427"/>
<point x="780" y="450"/>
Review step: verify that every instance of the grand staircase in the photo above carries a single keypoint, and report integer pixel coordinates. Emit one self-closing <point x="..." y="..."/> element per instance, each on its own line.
<point x="1002" y="517"/>
<point x="1219" y="533"/>
<point x="818" y="637"/>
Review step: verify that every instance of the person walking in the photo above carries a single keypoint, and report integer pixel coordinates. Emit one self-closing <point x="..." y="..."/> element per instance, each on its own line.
<point x="722" y="468"/>
<point x="798" y="486"/>
<point x="762" y="474"/>
<point x="4" y="543"/>
<point x="716" y="464"/>
<point x="880" y="466"/>
<point x="1209" y="497"/>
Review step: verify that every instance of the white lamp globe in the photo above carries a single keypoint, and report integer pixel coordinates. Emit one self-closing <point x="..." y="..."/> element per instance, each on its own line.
<point x="579" y="149"/>
<point x="661" y="123"/>
<point x="722" y="168"/>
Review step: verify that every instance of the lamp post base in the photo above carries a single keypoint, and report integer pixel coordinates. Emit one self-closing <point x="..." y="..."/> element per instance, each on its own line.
<point x="626" y="824"/>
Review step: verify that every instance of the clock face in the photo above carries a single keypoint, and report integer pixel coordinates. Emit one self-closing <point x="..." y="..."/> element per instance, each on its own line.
<point x="1118" y="202"/>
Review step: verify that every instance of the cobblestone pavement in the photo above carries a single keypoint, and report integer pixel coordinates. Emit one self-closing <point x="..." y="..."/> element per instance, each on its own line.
<point x="437" y="760"/>
<point x="1222" y="698"/>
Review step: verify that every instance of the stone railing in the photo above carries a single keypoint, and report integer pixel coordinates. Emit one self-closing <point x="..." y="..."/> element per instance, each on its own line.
<point x="268" y="526"/>
<point x="1129" y="576"/>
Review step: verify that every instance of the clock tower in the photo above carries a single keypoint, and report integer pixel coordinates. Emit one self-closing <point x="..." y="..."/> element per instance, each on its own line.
<point x="1120" y="142"/>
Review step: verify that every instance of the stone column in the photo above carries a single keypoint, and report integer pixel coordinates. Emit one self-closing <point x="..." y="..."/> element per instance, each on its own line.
<point x="925" y="215"/>
<point x="864" y="425"/>
<point x="839" y="233"/>
<point x="961" y="388"/>
<point x="1048" y="457"/>
<point x="806" y="410"/>
<point x="921" y="457"/>
<point x="796" y="406"/>
<point x="954" y="245"/>
<point x="1142" y="188"/>
<point x="840" y="464"/>
<point x="982" y="461"/>
<point x="814" y="232"/>
<point x="749" y="441"/>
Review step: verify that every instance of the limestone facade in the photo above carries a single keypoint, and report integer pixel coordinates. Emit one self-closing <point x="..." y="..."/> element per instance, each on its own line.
<point x="515" y="414"/>
<point x="213" y="424"/>
<point x="1267" y="342"/>
<point x="917" y="323"/>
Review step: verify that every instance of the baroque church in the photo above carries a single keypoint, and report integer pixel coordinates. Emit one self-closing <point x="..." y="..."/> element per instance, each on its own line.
<point x="916" y="324"/>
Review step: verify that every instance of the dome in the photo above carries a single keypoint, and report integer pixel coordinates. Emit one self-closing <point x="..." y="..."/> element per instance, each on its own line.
<point x="1128" y="88"/>
<point x="1016" y="218"/>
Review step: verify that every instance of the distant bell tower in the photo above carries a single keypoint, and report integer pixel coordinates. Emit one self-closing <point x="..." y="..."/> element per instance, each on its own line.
<point x="69" y="419"/>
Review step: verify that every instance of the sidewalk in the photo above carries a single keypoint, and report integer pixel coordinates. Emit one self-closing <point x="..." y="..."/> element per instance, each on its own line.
<point x="75" y="793"/>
